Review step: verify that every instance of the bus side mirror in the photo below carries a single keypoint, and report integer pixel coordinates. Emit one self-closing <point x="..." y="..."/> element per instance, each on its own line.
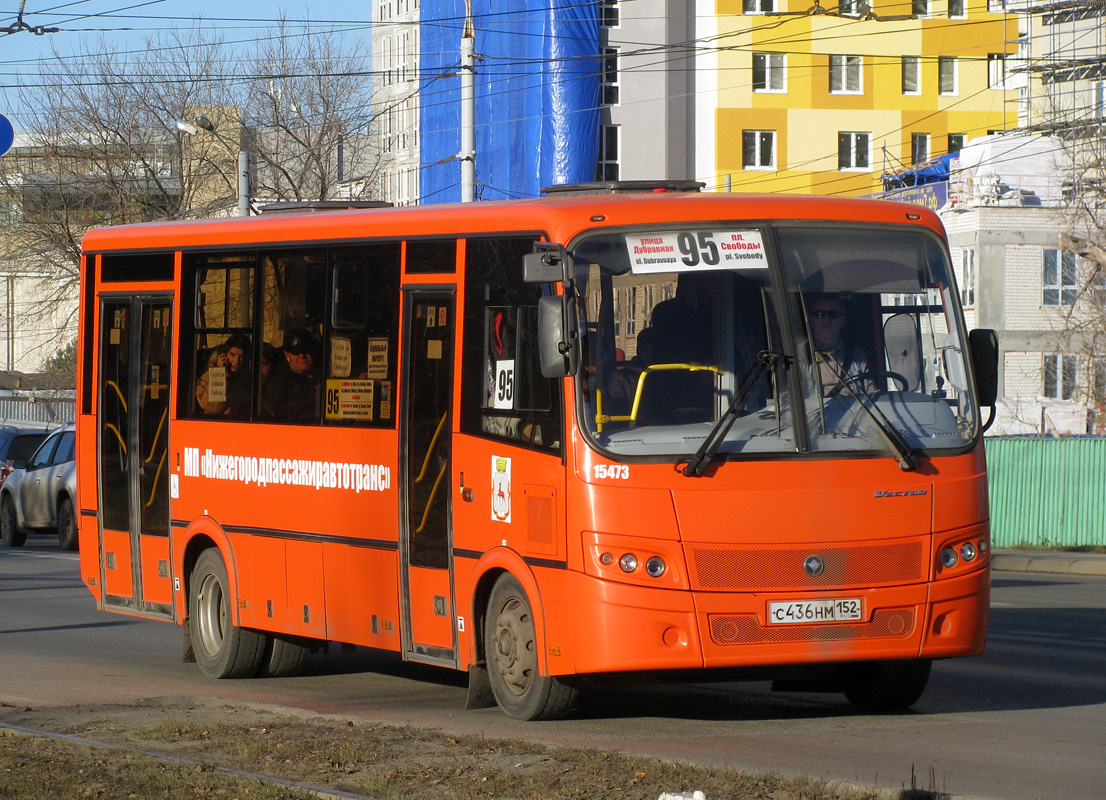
<point x="556" y="337"/>
<point x="983" y="344"/>
<point x="545" y="265"/>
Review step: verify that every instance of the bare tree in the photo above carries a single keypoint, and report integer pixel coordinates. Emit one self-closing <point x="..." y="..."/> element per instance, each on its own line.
<point x="105" y="148"/>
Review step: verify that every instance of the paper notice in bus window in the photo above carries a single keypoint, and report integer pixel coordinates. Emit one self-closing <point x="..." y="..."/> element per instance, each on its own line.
<point x="688" y="251"/>
<point x="442" y="316"/>
<point x="341" y="356"/>
<point x="217" y="384"/>
<point x="355" y="400"/>
<point x="114" y="337"/>
<point x="434" y="349"/>
<point x="431" y="316"/>
<point x="378" y="358"/>
<point x="504" y="396"/>
<point x="385" y="399"/>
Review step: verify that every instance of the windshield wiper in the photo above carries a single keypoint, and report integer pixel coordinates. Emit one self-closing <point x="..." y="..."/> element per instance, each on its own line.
<point x="907" y="455"/>
<point x="766" y="363"/>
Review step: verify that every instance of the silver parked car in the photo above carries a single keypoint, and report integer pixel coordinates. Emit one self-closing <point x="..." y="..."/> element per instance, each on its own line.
<point x="40" y="497"/>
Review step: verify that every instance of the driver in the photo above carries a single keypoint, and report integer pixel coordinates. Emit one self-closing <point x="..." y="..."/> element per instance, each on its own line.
<point x="833" y="354"/>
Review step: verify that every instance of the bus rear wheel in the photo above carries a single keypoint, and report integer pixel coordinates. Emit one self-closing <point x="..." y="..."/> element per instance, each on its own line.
<point x="887" y="685"/>
<point x="284" y="656"/>
<point x="223" y="650"/>
<point x="510" y="648"/>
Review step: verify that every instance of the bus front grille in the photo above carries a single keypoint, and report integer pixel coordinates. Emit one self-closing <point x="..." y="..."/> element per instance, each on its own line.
<point x="764" y="569"/>
<point x="728" y="629"/>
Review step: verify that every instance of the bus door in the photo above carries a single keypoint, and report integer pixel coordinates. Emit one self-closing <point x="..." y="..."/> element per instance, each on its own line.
<point x="426" y="579"/>
<point x="132" y="463"/>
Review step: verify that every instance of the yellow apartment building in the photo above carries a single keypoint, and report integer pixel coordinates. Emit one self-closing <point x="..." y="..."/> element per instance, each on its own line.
<point x="815" y="99"/>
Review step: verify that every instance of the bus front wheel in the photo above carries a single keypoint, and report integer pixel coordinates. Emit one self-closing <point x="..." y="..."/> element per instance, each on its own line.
<point x="887" y="685"/>
<point x="510" y="647"/>
<point x="223" y="650"/>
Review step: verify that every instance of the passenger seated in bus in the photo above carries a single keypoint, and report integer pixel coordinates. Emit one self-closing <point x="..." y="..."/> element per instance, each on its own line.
<point x="624" y="380"/>
<point x="827" y="317"/>
<point x="230" y="395"/>
<point x="291" y="391"/>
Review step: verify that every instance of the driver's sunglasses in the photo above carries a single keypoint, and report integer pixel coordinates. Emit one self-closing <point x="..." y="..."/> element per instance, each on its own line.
<point x="821" y="314"/>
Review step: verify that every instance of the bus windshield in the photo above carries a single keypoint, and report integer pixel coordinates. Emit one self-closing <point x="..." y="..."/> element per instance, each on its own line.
<point x="771" y="339"/>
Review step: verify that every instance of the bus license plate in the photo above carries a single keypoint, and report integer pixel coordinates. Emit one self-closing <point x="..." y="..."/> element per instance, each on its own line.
<point x="793" y="612"/>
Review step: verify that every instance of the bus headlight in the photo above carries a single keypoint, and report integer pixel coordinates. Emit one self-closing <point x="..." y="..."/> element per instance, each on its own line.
<point x="949" y="558"/>
<point x="655" y="566"/>
<point x="968" y="551"/>
<point x="628" y="562"/>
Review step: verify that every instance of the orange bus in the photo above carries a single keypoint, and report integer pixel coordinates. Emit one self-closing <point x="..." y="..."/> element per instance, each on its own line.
<point x="624" y="433"/>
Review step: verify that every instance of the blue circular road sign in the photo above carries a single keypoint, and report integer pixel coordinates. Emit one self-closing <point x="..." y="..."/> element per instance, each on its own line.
<point x="7" y="134"/>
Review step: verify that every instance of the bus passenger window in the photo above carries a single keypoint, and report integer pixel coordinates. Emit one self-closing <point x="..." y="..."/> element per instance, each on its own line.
<point x="504" y="395"/>
<point x="222" y="353"/>
<point x="292" y="312"/>
<point x="362" y="344"/>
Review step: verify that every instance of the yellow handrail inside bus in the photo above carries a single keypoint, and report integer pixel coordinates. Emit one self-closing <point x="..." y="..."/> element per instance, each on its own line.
<point x="430" y="448"/>
<point x="160" y="425"/>
<point x="122" y="399"/>
<point x="157" y="476"/>
<point x="601" y="418"/>
<point x="113" y="429"/>
<point x="430" y="500"/>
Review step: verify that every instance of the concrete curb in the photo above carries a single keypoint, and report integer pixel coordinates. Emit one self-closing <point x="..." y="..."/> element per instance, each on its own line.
<point x="1047" y="561"/>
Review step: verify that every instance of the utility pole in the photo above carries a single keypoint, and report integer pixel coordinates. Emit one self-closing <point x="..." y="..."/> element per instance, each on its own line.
<point x="468" y="109"/>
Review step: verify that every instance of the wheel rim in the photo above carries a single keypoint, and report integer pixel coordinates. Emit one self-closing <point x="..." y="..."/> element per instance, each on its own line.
<point x="211" y="618"/>
<point x="513" y="650"/>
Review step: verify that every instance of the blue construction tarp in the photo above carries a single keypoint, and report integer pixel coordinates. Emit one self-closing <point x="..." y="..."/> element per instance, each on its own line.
<point x="538" y="73"/>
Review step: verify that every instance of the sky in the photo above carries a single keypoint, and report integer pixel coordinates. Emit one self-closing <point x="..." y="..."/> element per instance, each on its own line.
<point x="125" y="24"/>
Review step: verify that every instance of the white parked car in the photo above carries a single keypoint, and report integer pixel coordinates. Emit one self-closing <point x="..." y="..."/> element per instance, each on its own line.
<point x="40" y="497"/>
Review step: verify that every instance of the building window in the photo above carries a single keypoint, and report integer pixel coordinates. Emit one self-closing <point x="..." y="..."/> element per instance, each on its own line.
<point x="967" y="277"/>
<point x="608" y="13"/>
<point x="996" y="6"/>
<point x="919" y="8"/>
<point x="769" y="72"/>
<point x="758" y="149"/>
<point x="610" y="76"/>
<point x="956" y="142"/>
<point x="758" y="6"/>
<point x="1098" y="99"/>
<point x="996" y="70"/>
<point x="607" y="169"/>
<point x="911" y="75"/>
<point x="854" y="150"/>
<point x="946" y="74"/>
<point x="1060" y="280"/>
<point x="919" y="148"/>
<point x="957" y="8"/>
<point x="845" y="75"/>
<point x="1061" y="371"/>
<point x="854" y="7"/>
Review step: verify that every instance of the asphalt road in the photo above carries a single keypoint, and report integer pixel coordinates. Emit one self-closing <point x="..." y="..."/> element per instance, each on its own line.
<point x="1026" y="720"/>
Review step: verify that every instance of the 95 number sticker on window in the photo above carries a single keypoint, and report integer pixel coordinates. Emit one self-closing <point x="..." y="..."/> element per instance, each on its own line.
<point x="844" y="609"/>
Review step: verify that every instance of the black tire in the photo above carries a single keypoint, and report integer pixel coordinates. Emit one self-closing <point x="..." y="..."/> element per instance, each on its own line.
<point x="284" y="656"/>
<point x="223" y="650"/>
<point x="67" y="525"/>
<point x="510" y="647"/>
<point x="10" y="532"/>
<point x="887" y="685"/>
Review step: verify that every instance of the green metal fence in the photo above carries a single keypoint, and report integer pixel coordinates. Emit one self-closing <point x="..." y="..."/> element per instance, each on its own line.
<point x="1047" y="492"/>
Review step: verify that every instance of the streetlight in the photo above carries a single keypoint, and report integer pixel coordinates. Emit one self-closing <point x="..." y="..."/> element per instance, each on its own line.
<point x="204" y="124"/>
